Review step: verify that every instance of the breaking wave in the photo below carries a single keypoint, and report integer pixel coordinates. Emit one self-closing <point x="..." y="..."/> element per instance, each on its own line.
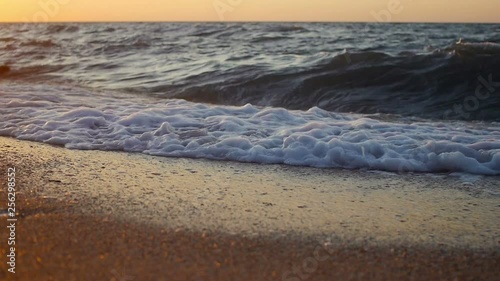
<point x="80" y="119"/>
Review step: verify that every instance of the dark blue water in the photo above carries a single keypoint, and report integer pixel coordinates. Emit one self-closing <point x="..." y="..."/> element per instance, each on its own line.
<point x="403" y="69"/>
<point x="392" y="97"/>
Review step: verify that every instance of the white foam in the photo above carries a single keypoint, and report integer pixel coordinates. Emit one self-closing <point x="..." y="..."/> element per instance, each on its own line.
<point x="80" y="119"/>
<point x="479" y="48"/>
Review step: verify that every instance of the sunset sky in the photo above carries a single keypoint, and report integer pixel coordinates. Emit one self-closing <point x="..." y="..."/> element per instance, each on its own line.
<point x="251" y="10"/>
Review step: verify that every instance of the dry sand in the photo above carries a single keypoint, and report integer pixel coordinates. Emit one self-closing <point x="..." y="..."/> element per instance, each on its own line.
<point x="90" y="215"/>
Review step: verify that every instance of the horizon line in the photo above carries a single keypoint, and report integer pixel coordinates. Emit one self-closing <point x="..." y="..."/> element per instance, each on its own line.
<point x="214" y="21"/>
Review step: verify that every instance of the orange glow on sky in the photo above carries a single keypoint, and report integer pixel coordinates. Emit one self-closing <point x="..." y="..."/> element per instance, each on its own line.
<point x="250" y="10"/>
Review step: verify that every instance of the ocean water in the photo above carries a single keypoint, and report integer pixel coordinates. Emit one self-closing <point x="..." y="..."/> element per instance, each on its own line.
<point x="390" y="97"/>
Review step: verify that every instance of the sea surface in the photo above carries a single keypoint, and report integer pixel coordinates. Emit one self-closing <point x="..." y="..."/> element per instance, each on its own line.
<point x="389" y="97"/>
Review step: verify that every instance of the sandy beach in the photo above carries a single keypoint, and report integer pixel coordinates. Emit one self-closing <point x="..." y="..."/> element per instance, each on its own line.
<point x="93" y="215"/>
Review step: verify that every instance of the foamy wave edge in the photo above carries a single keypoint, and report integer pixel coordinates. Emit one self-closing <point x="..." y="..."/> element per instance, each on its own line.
<point x="80" y="119"/>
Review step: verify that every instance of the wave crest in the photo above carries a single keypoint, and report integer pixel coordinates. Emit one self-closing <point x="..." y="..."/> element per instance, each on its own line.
<point x="427" y="85"/>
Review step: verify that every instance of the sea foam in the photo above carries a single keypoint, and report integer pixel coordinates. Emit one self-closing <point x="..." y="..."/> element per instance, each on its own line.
<point x="80" y="119"/>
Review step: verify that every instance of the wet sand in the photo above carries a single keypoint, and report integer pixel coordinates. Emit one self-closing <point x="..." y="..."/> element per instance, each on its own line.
<point x="89" y="215"/>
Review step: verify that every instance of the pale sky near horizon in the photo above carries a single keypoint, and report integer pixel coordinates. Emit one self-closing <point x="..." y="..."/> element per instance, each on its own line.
<point x="251" y="10"/>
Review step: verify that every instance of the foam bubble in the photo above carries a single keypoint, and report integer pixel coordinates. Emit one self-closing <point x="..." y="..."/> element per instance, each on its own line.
<point x="80" y="119"/>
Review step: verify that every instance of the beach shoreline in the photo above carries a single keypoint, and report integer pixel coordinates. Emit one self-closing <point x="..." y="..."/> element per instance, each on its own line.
<point x="118" y="216"/>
